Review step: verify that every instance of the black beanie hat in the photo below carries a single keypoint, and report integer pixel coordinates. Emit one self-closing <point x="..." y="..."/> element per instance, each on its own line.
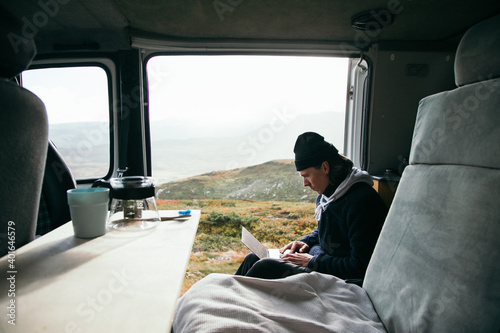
<point x="311" y="149"/>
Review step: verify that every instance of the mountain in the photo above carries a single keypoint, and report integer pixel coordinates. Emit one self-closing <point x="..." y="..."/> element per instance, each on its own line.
<point x="182" y="157"/>
<point x="84" y="147"/>
<point x="185" y="149"/>
<point x="271" y="181"/>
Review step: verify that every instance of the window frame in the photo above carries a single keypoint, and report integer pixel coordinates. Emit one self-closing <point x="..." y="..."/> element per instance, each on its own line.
<point x="357" y="130"/>
<point x="356" y="148"/>
<point x="109" y="67"/>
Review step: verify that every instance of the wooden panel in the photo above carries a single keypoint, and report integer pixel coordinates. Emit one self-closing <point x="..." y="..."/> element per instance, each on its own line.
<point x="119" y="282"/>
<point x="386" y="189"/>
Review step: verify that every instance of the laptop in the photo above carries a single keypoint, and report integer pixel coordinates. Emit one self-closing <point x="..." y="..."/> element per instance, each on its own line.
<point x="256" y="247"/>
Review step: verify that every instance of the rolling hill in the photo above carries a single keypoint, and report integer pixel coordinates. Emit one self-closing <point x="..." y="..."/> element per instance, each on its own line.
<point x="275" y="180"/>
<point x="178" y="155"/>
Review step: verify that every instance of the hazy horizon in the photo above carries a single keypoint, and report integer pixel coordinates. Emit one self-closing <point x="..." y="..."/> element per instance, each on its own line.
<point x="206" y="113"/>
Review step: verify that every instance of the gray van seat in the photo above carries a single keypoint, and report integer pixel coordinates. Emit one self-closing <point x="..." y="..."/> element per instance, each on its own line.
<point x="23" y="139"/>
<point x="436" y="266"/>
<point x="57" y="179"/>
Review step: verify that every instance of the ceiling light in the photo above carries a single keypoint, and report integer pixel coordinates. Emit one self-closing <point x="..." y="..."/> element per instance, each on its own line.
<point x="375" y="19"/>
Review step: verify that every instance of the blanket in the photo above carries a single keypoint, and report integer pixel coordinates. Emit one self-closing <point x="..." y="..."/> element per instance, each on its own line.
<point x="311" y="302"/>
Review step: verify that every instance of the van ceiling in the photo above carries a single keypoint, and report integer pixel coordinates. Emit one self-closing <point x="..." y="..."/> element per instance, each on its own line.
<point x="62" y="25"/>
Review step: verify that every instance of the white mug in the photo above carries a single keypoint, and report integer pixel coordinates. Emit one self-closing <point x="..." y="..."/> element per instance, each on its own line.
<point x="89" y="211"/>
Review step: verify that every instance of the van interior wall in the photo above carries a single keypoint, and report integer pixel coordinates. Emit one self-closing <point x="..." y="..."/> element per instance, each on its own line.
<point x="400" y="80"/>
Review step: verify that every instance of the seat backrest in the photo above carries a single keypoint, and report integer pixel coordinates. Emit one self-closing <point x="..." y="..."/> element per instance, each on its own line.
<point x="23" y="139"/>
<point x="54" y="208"/>
<point x="436" y="266"/>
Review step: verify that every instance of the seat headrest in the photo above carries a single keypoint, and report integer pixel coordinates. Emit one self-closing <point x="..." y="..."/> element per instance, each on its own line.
<point x="17" y="50"/>
<point x="478" y="54"/>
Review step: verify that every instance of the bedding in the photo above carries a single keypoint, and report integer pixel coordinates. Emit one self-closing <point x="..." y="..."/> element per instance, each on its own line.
<point x="312" y="302"/>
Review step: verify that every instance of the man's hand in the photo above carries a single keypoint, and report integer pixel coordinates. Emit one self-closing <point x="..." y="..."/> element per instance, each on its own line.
<point x="296" y="246"/>
<point x="301" y="259"/>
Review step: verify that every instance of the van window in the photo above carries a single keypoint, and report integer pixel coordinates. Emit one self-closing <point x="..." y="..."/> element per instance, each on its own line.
<point x="77" y="103"/>
<point x="222" y="112"/>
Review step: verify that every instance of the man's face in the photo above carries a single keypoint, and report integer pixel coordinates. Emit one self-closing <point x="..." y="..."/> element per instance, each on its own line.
<point x="316" y="179"/>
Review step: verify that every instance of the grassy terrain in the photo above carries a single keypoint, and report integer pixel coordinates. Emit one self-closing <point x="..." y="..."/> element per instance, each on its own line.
<point x="218" y="248"/>
<point x="263" y="182"/>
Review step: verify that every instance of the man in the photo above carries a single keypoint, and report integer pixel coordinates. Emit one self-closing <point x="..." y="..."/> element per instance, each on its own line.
<point x="350" y="215"/>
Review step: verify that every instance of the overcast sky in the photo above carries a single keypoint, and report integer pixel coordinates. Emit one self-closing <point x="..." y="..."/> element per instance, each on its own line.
<point x="239" y="89"/>
<point x="71" y="94"/>
<point x="244" y="88"/>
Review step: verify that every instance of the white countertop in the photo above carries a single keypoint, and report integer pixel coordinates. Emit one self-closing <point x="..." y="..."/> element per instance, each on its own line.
<point x="119" y="282"/>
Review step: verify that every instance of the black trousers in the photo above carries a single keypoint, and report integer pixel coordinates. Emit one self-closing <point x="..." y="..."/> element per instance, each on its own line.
<point x="268" y="268"/>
